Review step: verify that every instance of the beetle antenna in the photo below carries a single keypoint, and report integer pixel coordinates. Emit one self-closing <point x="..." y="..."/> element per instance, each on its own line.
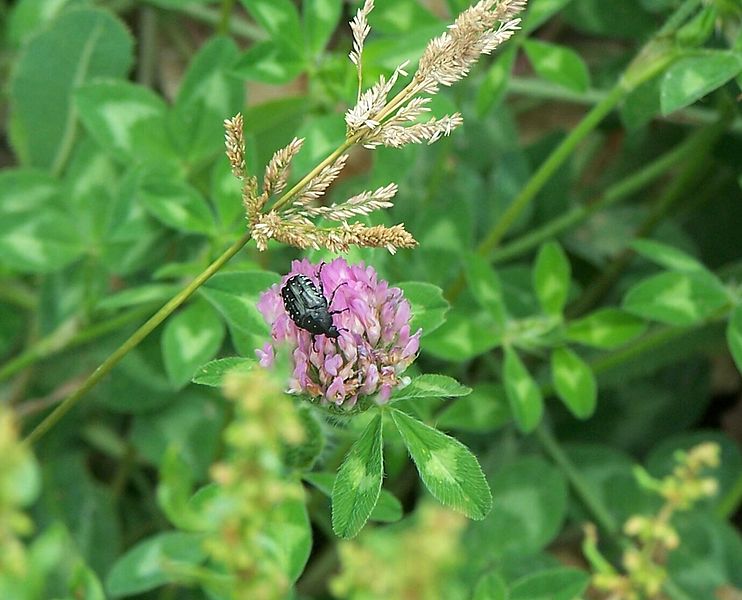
<point x="334" y="292"/>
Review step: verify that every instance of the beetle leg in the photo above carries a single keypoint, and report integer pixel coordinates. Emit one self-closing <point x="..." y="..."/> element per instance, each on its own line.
<point x="319" y="277"/>
<point x="329" y="304"/>
<point x="337" y="312"/>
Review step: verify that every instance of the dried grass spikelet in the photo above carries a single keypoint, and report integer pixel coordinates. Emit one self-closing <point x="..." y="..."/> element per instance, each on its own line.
<point x="234" y="141"/>
<point x="375" y="120"/>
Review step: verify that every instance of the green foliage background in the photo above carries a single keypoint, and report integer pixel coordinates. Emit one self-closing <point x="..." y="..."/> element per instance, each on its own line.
<point x="578" y="273"/>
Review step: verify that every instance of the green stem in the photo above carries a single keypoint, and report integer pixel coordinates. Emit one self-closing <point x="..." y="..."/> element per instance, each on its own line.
<point x="649" y="62"/>
<point x="134" y="340"/>
<point x="64" y="339"/>
<point x="540" y="89"/>
<point x="331" y="158"/>
<point x="581" y="487"/>
<point x="226" y="17"/>
<point x="613" y="194"/>
<point x="147" y="63"/>
<point x="238" y="27"/>
<point x="675" y="190"/>
<point x="15" y="293"/>
<point x="680" y="16"/>
<point x="549" y="167"/>
<point x="731" y="501"/>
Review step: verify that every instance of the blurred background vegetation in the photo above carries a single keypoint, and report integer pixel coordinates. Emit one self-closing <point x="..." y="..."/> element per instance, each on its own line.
<point x="601" y="123"/>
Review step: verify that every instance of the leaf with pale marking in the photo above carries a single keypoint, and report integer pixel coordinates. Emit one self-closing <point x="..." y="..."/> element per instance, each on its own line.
<point x="213" y="372"/>
<point x="358" y="482"/>
<point x="606" y="328"/>
<point x="551" y="275"/>
<point x="574" y="382"/>
<point x="526" y="401"/>
<point x="190" y="338"/>
<point x="676" y="298"/>
<point x="431" y="386"/>
<point x="447" y="467"/>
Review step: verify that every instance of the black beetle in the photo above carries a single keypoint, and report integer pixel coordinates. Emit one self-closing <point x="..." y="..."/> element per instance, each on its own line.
<point x="308" y="307"/>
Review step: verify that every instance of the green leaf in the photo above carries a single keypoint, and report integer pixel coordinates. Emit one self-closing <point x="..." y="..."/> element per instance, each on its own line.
<point x="358" y="482"/>
<point x="485" y="410"/>
<point x="709" y="557"/>
<point x="80" y="45"/>
<point x="37" y="233"/>
<point x="192" y="422"/>
<point x="268" y="62"/>
<point x="463" y="337"/>
<point x="429" y="307"/>
<point x="666" y="256"/>
<point x="561" y="583"/>
<point x="529" y="508"/>
<point x="485" y="286"/>
<point x="154" y="562"/>
<point x="558" y="64"/>
<point x="322" y="135"/>
<point x="540" y="11"/>
<point x="208" y="94"/>
<point x="126" y="120"/>
<point x="142" y="294"/>
<point x="494" y="85"/>
<point x="280" y="19"/>
<point x="291" y="535"/>
<point x="526" y="401"/>
<point x="226" y="194"/>
<point x="431" y="386"/>
<point x="302" y="455"/>
<point x="387" y="510"/>
<point x="449" y="470"/>
<point x="692" y="77"/>
<point x="551" y="275"/>
<point x="491" y="587"/>
<point x="235" y="296"/>
<point x="574" y="382"/>
<point x="679" y="299"/>
<point x="175" y="203"/>
<point x="28" y="17"/>
<point x="734" y="336"/>
<point x="213" y="372"/>
<point x="84" y="583"/>
<point x="174" y="492"/>
<point x="606" y="328"/>
<point x="190" y="338"/>
<point x="321" y="18"/>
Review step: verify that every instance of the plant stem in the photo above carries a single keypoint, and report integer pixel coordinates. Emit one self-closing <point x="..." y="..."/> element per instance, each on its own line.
<point x="616" y="192"/>
<point x="540" y="89"/>
<point x="581" y="487"/>
<point x="731" y="501"/>
<point x="147" y="63"/>
<point x="549" y="167"/>
<point x="226" y="17"/>
<point x="329" y="159"/>
<point x="18" y="294"/>
<point x="649" y="62"/>
<point x="688" y="177"/>
<point x="239" y="27"/>
<point x="134" y="340"/>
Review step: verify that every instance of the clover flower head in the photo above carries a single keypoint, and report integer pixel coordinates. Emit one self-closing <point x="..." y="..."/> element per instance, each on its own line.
<point x="375" y="345"/>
